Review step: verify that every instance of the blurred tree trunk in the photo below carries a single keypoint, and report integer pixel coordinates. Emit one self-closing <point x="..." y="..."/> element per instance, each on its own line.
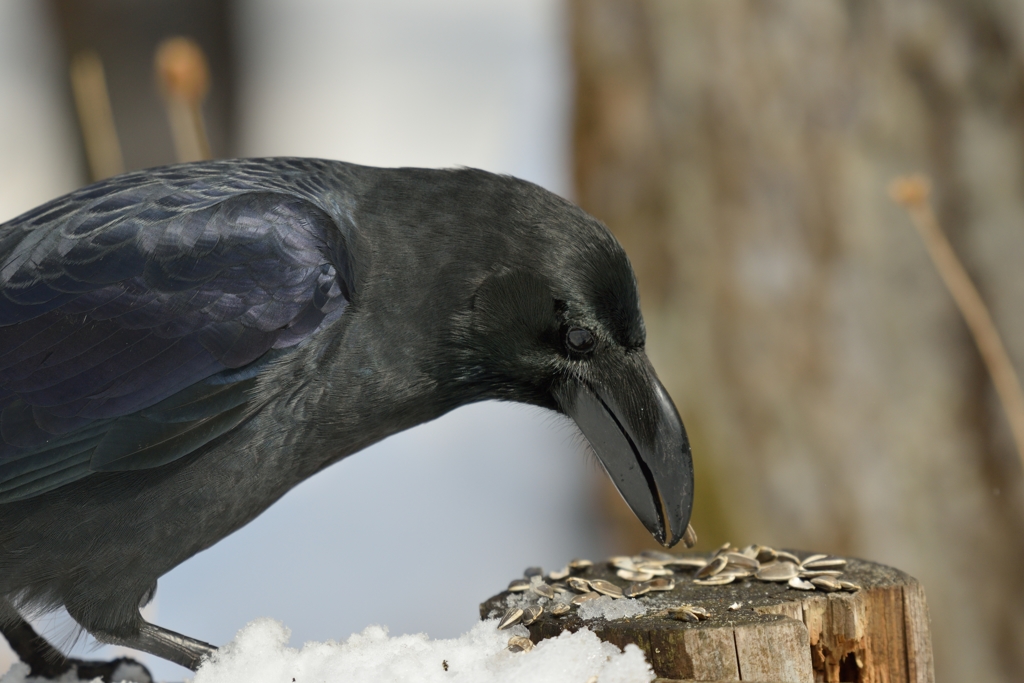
<point x="741" y="152"/>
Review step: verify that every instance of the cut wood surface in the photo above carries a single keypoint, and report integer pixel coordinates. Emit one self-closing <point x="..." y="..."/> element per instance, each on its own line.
<point x="877" y="634"/>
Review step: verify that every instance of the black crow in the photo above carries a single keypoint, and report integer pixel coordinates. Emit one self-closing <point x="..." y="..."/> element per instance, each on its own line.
<point x="181" y="346"/>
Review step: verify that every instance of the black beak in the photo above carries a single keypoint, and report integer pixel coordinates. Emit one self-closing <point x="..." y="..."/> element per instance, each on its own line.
<point x="633" y="426"/>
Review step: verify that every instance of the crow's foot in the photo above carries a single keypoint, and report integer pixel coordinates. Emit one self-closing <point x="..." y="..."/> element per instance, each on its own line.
<point x="45" y="661"/>
<point x="114" y="671"/>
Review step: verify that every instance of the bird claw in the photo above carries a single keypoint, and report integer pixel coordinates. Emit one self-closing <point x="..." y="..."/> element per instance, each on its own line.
<point x="122" y="669"/>
<point x="113" y="671"/>
<point x="46" y="662"/>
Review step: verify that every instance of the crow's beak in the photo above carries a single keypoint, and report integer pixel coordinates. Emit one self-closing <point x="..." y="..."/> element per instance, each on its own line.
<point x="633" y="426"/>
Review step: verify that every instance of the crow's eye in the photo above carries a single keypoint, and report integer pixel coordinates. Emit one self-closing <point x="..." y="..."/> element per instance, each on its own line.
<point x="579" y="340"/>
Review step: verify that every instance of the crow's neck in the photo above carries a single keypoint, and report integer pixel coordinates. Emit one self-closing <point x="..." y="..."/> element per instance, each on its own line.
<point x="367" y="383"/>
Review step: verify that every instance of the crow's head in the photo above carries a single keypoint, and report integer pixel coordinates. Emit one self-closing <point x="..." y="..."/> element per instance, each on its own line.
<point x="551" y="316"/>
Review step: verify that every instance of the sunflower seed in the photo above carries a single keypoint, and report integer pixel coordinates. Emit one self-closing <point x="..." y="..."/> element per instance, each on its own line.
<point x="829" y="563"/>
<point x="719" y="580"/>
<point x="749" y="551"/>
<point x="635" y="590"/>
<point x="518" y="585"/>
<point x="694" y="562"/>
<point x="519" y="644"/>
<point x="559" y="574"/>
<point x="828" y="584"/>
<point x="580" y="564"/>
<point x="689" y="536"/>
<point x="736" y="572"/>
<point x="634" y="575"/>
<point x="783" y="556"/>
<point x="819" y="572"/>
<point x="713" y="567"/>
<point x="658" y="556"/>
<point x="849" y="586"/>
<point x="560" y="608"/>
<point x="579" y="585"/>
<point x="606" y="588"/>
<point x="813" y="558"/>
<point x="741" y="560"/>
<point x="801" y="585"/>
<point x="682" y="614"/>
<point x="777" y="571"/>
<point x="653" y="568"/>
<point x="531" y="614"/>
<point x="530" y="572"/>
<point x="512" y="617"/>
<point x="660" y="584"/>
<point x="735" y="606"/>
<point x="724" y="548"/>
<point x="543" y="590"/>
<point x="688" y="613"/>
<point x="765" y="554"/>
<point x="622" y="562"/>
<point x="584" y="597"/>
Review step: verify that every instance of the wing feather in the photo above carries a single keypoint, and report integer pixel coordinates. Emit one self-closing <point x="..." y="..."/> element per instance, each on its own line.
<point x="137" y="314"/>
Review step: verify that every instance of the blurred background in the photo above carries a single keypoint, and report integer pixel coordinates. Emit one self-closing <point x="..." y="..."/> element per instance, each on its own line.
<point x="741" y="153"/>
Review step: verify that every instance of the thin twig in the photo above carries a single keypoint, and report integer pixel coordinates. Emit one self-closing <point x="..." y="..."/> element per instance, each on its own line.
<point x="912" y="192"/>
<point x="95" y="116"/>
<point x="184" y="78"/>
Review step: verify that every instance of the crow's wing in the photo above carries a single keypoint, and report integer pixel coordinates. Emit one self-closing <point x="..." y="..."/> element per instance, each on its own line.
<point x="136" y="314"/>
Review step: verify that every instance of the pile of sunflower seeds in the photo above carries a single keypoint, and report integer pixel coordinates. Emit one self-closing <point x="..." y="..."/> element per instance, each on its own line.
<point x="559" y="592"/>
<point x="728" y="564"/>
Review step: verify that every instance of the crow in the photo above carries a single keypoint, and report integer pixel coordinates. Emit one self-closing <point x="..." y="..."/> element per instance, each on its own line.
<point x="181" y="346"/>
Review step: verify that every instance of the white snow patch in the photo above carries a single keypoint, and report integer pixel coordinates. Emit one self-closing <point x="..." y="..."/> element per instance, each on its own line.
<point x="605" y="607"/>
<point x="260" y="654"/>
<point x="519" y="600"/>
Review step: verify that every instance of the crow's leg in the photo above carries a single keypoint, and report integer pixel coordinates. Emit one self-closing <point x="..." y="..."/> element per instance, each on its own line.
<point x="118" y="621"/>
<point x="42" y="658"/>
<point x="163" y="643"/>
<point x="46" y="661"/>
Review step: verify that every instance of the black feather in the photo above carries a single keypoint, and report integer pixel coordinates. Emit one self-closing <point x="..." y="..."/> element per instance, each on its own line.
<point x="137" y="443"/>
<point x="119" y="301"/>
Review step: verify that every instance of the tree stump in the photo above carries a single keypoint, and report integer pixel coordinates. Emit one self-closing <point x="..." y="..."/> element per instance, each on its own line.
<point x="878" y="634"/>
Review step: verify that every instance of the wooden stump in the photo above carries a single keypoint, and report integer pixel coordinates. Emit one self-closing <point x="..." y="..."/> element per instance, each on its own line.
<point x="878" y="634"/>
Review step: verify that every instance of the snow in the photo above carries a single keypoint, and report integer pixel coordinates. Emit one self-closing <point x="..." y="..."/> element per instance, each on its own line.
<point x="605" y="607"/>
<point x="260" y="654"/>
